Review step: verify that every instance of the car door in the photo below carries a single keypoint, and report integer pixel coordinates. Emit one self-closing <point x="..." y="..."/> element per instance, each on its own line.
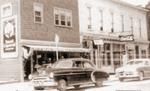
<point x="147" y="69"/>
<point x="78" y="73"/>
<point x="88" y="68"/>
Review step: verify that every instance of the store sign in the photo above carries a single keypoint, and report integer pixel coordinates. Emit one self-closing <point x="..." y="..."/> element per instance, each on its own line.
<point x="9" y="37"/>
<point x="127" y="38"/>
<point x="99" y="42"/>
<point x="6" y="10"/>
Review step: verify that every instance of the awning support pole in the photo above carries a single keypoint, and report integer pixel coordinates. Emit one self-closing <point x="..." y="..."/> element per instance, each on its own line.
<point x="31" y="63"/>
<point x="57" y="52"/>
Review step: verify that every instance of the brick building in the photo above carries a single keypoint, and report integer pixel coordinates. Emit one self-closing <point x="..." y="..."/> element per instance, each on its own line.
<point x="36" y="32"/>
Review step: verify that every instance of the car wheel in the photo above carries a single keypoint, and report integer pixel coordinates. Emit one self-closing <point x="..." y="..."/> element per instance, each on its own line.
<point x="121" y="79"/>
<point x="99" y="83"/>
<point x="62" y="85"/>
<point x="38" y="88"/>
<point x="76" y="86"/>
<point x="93" y="78"/>
<point x="141" y="76"/>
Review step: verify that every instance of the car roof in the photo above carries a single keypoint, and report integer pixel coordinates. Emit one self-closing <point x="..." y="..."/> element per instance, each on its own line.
<point x="75" y="59"/>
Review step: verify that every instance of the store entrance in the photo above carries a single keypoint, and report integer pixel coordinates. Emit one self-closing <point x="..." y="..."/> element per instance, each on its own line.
<point x="46" y="57"/>
<point x="37" y="58"/>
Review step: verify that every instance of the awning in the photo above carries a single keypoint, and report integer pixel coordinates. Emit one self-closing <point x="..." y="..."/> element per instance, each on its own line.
<point x="60" y="49"/>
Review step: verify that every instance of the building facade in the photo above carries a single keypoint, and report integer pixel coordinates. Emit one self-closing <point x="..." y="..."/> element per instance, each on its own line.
<point x="148" y="22"/>
<point x="116" y="31"/>
<point x="37" y="32"/>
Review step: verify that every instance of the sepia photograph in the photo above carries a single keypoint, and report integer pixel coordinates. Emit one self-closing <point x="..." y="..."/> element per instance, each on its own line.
<point x="74" y="45"/>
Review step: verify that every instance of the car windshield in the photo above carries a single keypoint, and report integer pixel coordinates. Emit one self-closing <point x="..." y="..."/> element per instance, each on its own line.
<point x="63" y="64"/>
<point x="135" y="63"/>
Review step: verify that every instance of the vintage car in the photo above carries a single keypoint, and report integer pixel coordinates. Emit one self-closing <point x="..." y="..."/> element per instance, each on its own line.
<point x="68" y="72"/>
<point x="136" y="68"/>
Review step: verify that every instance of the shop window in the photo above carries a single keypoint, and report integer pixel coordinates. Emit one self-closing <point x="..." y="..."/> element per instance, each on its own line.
<point x="107" y="47"/>
<point x="143" y="52"/>
<point x="62" y="17"/>
<point x="108" y="59"/>
<point x="38" y="13"/>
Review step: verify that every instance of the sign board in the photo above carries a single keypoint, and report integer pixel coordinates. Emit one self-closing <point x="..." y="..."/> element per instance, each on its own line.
<point x="56" y="38"/>
<point x="9" y="37"/>
<point x="127" y="38"/>
<point x="99" y="42"/>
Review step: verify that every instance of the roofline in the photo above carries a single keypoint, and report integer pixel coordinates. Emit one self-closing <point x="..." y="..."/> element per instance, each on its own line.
<point x="130" y="5"/>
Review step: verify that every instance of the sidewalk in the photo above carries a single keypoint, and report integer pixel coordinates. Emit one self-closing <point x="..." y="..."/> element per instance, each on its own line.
<point x="25" y="86"/>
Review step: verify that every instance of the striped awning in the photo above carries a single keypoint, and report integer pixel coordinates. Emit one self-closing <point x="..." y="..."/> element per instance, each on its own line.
<point x="60" y="49"/>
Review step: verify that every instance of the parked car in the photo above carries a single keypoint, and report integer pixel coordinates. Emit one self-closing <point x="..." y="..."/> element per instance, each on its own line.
<point x="68" y="72"/>
<point x="136" y="68"/>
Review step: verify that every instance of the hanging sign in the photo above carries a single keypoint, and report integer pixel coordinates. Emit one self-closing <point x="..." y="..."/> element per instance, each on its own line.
<point x="9" y="37"/>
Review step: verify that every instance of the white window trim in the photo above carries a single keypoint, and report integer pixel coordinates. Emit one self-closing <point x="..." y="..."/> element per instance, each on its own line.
<point x="140" y="27"/>
<point x="68" y="13"/>
<point x="42" y="9"/>
<point x="101" y="13"/>
<point x="10" y="11"/>
<point x="89" y="18"/>
<point x="122" y="22"/>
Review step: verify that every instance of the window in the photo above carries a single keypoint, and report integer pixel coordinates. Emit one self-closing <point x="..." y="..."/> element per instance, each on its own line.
<point x="87" y="65"/>
<point x="131" y="22"/>
<point x="101" y="20"/>
<point x="6" y="10"/>
<point x="122" y="22"/>
<point x="140" y="28"/>
<point x="89" y="18"/>
<point x="38" y="13"/>
<point x="62" y="17"/>
<point x="112" y="22"/>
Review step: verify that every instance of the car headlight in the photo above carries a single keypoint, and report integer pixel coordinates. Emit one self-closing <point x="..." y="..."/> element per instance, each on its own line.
<point x="30" y="77"/>
<point x="51" y="75"/>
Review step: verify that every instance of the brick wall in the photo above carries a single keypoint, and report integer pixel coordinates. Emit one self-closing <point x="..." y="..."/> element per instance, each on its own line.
<point x="47" y="30"/>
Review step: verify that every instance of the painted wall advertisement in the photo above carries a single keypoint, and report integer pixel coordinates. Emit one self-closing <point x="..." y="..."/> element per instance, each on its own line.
<point x="9" y="37"/>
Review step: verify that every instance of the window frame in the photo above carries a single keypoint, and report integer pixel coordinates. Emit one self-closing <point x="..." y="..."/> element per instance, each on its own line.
<point x="67" y="13"/>
<point x="40" y="9"/>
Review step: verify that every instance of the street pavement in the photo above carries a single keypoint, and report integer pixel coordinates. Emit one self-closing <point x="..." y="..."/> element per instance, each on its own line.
<point x="111" y="85"/>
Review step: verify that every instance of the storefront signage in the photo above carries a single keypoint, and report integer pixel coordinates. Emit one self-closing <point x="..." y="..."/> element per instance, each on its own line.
<point x="127" y="38"/>
<point x="9" y="37"/>
<point x="99" y="42"/>
<point x="6" y="10"/>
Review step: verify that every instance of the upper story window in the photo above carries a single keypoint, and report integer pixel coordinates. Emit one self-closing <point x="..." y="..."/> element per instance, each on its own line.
<point x="89" y="18"/>
<point x="38" y="13"/>
<point x="112" y="22"/>
<point x="62" y="17"/>
<point x="140" y="27"/>
<point x="101" y="19"/>
<point x="131" y="24"/>
<point x="122" y="22"/>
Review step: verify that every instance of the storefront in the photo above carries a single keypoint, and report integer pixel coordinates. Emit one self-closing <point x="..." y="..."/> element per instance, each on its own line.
<point x="109" y="52"/>
<point x="35" y="54"/>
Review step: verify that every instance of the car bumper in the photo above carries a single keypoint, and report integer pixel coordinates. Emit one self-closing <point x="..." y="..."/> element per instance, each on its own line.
<point x="44" y="83"/>
<point x="128" y="75"/>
